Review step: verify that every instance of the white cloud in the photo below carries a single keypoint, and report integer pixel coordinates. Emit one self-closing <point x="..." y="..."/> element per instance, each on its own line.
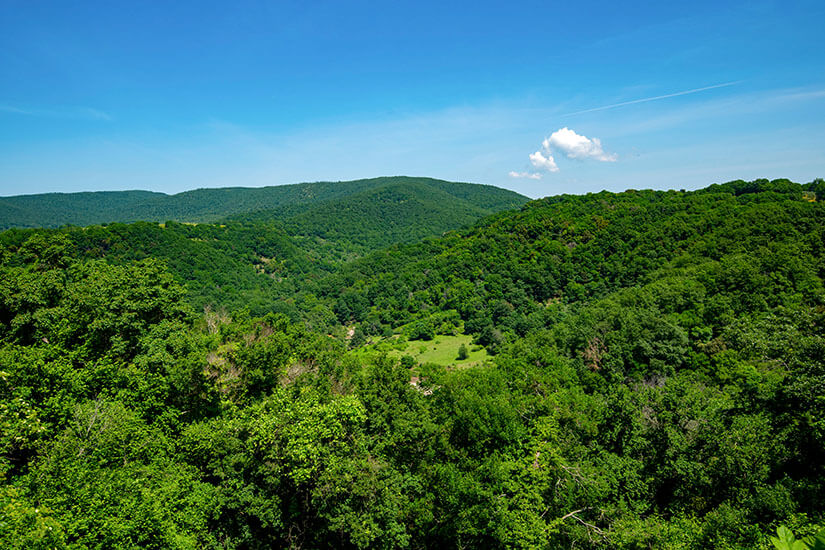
<point x="575" y="146"/>
<point x="570" y="144"/>
<point x="529" y="175"/>
<point x="540" y="161"/>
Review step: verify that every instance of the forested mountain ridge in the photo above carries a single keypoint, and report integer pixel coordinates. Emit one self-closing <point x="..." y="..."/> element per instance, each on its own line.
<point x="657" y="381"/>
<point x="577" y="247"/>
<point x="378" y="217"/>
<point x="251" y="260"/>
<point x="209" y="205"/>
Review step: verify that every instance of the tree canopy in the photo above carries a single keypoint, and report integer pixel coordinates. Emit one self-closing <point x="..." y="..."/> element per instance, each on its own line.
<point x="656" y="379"/>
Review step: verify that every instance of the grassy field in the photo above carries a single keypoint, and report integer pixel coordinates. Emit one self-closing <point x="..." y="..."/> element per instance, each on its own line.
<point x="442" y="350"/>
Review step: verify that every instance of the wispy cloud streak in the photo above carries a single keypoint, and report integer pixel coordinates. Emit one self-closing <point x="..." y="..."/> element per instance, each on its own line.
<point x="69" y="112"/>
<point x="655" y="98"/>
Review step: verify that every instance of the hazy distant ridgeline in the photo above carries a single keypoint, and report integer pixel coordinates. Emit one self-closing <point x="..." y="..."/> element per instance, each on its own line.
<point x="208" y="205"/>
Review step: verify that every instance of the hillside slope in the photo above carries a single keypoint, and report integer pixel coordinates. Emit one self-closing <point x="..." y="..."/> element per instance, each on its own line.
<point x="402" y="212"/>
<point x="230" y="266"/>
<point x="577" y="248"/>
<point x="653" y="377"/>
<point x="208" y="205"/>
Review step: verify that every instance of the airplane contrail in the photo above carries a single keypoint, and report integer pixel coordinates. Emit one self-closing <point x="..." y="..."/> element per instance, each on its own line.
<point x="655" y="98"/>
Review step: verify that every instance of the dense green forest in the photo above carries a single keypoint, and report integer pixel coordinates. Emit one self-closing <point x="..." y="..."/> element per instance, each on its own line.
<point x="230" y="266"/>
<point x="407" y="211"/>
<point x="648" y="372"/>
<point x="212" y="205"/>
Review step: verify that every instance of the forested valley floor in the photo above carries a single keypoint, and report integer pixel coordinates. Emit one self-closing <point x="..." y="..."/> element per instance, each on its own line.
<point x="634" y="370"/>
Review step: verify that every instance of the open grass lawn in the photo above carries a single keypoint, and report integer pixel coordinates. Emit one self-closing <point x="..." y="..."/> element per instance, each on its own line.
<point x="441" y="350"/>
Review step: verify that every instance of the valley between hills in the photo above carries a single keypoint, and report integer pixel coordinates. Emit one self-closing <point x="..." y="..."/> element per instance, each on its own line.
<point x="408" y="362"/>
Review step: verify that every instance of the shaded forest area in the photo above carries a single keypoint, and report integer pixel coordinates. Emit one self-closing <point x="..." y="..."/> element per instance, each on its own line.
<point x="656" y="378"/>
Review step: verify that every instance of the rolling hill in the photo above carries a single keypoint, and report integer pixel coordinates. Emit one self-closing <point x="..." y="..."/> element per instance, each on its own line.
<point x="642" y="369"/>
<point x="245" y="258"/>
<point x="209" y="205"/>
<point x="398" y="212"/>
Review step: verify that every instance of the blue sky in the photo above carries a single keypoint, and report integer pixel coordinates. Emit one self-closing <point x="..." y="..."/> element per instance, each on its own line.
<point x="540" y="97"/>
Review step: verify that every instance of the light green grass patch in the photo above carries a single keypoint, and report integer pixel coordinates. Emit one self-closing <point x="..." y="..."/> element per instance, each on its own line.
<point x="442" y="350"/>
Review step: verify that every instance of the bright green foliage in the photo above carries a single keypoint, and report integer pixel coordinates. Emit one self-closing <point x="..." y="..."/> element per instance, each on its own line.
<point x="305" y="435"/>
<point x="785" y="540"/>
<point x="226" y="266"/>
<point x="26" y="527"/>
<point x="655" y="379"/>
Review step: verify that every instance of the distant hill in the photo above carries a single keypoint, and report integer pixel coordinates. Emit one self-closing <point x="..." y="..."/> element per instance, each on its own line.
<point x="249" y="242"/>
<point x="398" y="212"/>
<point x="209" y="205"/>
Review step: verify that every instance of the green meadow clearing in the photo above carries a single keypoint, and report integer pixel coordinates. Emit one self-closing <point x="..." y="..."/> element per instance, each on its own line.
<point x="441" y="350"/>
